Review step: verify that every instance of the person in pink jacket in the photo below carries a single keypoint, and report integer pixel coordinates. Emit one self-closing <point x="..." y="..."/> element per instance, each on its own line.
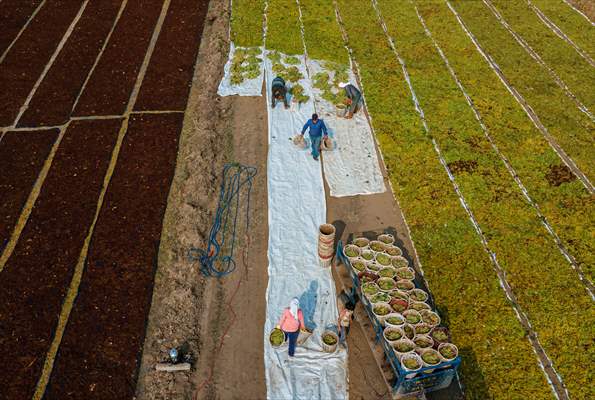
<point x="291" y="322"/>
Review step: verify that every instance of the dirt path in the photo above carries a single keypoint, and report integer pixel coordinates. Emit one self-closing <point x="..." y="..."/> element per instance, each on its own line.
<point x="188" y="308"/>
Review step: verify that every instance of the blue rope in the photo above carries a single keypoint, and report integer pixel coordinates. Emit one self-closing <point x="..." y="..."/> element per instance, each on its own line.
<point x="212" y="263"/>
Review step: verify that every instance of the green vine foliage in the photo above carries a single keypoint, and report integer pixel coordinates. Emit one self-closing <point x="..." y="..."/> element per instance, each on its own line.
<point x="574" y="130"/>
<point x="537" y="273"/>
<point x="575" y="71"/>
<point x="247" y="22"/>
<point x="497" y="358"/>
<point x="323" y="36"/>
<point x="283" y="27"/>
<point x="568" y="207"/>
<point x="570" y="22"/>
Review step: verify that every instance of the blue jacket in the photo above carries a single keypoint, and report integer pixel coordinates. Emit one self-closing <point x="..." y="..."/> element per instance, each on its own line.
<point x="316" y="129"/>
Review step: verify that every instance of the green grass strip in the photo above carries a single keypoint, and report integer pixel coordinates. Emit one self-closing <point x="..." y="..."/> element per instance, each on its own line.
<point x="537" y="271"/>
<point x="571" y="128"/>
<point x="497" y="360"/>
<point x="283" y="27"/>
<point x="568" y="207"/>
<point x="323" y="37"/>
<point x="247" y="22"/>
<point x="574" y="25"/>
<point x="574" y="70"/>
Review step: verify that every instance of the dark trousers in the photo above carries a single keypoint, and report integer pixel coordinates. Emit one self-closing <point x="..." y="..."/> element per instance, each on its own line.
<point x="344" y="333"/>
<point x="292" y="337"/>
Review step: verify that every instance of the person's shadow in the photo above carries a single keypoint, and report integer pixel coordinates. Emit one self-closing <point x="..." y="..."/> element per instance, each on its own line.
<point x="308" y="301"/>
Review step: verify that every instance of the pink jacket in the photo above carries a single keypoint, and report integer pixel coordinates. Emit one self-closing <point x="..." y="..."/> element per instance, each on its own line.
<point x="290" y="324"/>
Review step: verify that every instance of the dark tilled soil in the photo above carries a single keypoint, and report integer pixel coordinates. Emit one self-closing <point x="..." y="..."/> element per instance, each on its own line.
<point x="53" y="101"/>
<point x="101" y="347"/>
<point x="26" y="60"/>
<point x="22" y="155"/>
<point x="14" y="14"/>
<point x="110" y="86"/>
<point x="37" y="275"/>
<point x="169" y="76"/>
<point x="462" y="166"/>
<point x="559" y="174"/>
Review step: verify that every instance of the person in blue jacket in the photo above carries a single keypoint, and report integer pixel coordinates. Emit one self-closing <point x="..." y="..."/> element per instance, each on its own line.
<point x="317" y="129"/>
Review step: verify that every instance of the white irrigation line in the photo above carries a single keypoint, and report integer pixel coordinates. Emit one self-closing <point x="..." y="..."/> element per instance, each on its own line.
<point x="578" y="11"/>
<point x="543" y="359"/>
<point x="539" y="60"/>
<point x="588" y="284"/>
<point x="3" y="56"/>
<point x="356" y="69"/>
<point x="105" y="43"/>
<point x="297" y="2"/>
<point x="550" y="24"/>
<point x="526" y="107"/>
<point x="50" y="62"/>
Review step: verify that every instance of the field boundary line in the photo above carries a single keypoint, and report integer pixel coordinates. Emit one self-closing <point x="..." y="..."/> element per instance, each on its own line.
<point x="560" y="33"/>
<point x="86" y="118"/>
<point x="578" y="11"/>
<point x="543" y="359"/>
<point x="39" y="7"/>
<point x="357" y="73"/>
<point x="75" y="282"/>
<point x="105" y="43"/>
<point x="538" y="59"/>
<point x="588" y="284"/>
<point x="158" y="112"/>
<point x="31" y="199"/>
<point x="526" y="107"/>
<point x="32" y="128"/>
<point x="47" y="67"/>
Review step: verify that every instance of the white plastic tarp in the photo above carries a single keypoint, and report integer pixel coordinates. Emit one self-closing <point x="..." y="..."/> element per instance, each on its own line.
<point x="249" y="87"/>
<point x="352" y="167"/>
<point x="297" y="208"/>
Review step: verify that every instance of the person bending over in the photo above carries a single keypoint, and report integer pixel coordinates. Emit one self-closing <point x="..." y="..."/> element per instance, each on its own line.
<point x="279" y="91"/>
<point x="354" y="98"/>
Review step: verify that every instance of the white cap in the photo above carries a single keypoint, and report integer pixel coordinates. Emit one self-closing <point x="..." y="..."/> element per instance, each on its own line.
<point x="343" y="84"/>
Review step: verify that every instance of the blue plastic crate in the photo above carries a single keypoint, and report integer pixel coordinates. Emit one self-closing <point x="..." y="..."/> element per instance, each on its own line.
<point x="426" y="379"/>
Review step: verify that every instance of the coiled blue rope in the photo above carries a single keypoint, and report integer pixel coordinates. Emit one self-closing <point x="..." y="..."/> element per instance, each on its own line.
<point x="212" y="263"/>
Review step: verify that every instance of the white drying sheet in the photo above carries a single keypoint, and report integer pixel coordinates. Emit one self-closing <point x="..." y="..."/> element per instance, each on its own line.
<point x="296" y="209"/>
<point x="351" y="168"/>
<point x="250" y="87"/>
